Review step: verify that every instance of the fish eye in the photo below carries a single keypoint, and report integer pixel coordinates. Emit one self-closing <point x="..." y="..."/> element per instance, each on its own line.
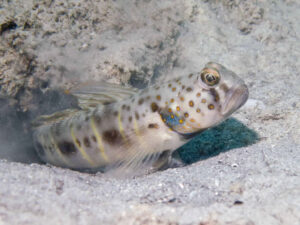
<point x="210" y="77"/>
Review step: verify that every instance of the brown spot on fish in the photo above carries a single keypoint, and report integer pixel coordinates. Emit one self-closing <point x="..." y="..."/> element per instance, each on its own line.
<point x="158" y="97"/>
<point x="130" y="118"/>
<point x="183" y="87"/>
<point x="211" y="106"/>
<point x="198" y="110"/>
<point x="215" y="94"/>
<point x="190" y="75"/>
<point x="115" y="113"/>
<point x="224" y="87"/>
<point x="186" y="115"/>
<point x="148" y="98"/>
<point x="123" y="106"/>
<point x="192" y="120"/>
<point x="94" y="138"/>
<point x="191" y="103"/>
<point x="177" y="108"/>
<point x="180" y="121"/>
<point x="198" y="94"/>
<point x="141" y="100"/>
<point x="172" y="100"/>
<point x="154" y="107"/>
<point x="153" y="125"/>
<point x="203" y="100"/>
<point x="128" y="108"/>
<point x="66" y="147"/>
<point x="172" y="116"/>
<point x="174" y="89"/>
<point x="137" y="115"/>
<point x="112" y="137"/>
<point x="166" y="102"/>
<point x="189" y="89"/>
<point x="86" y="142"/>
<point x="169" y="110"/>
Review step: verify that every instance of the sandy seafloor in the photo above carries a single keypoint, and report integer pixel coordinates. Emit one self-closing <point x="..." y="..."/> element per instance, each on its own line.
<point x="245" y="171"/>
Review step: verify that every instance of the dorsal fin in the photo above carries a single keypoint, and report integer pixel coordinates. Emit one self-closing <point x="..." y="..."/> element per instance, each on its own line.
<point x="53" y="118"/>
<point x="90" y="95"/>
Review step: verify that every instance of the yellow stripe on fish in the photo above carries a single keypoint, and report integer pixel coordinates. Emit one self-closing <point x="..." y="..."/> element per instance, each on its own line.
<point x="99" y="140"/>
<point x="121" y="126"/>
<point x="81" y="149"/>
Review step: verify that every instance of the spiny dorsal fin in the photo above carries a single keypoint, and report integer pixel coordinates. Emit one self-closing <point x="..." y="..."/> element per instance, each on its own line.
<point x="53" y="118"/>
<point x="90" y="95"/>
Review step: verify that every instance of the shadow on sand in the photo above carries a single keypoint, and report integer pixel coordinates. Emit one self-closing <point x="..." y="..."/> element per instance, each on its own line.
<point x="228" y="135"/>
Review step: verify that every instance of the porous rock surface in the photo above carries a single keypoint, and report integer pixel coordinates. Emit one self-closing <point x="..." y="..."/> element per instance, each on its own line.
<point x="245" y="171"/>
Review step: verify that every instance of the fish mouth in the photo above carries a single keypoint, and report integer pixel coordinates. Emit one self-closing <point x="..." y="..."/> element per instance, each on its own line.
<point x="236" y="98"/>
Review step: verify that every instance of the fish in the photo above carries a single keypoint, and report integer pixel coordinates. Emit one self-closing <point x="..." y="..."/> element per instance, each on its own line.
<point x="127" y="130"/>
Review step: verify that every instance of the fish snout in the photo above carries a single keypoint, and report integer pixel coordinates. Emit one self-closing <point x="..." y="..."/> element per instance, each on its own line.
<point x="235" y="98"/>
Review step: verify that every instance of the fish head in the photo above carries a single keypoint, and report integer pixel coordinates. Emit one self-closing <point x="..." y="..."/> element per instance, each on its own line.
<point x="214" y="95"/>
<point x="223" y="90"/>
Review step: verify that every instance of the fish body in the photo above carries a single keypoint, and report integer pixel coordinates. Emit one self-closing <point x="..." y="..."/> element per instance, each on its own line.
<point x="134" y="129"/>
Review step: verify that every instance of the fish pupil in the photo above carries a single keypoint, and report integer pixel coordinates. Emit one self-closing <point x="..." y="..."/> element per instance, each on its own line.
<point x="210" y="77"/>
